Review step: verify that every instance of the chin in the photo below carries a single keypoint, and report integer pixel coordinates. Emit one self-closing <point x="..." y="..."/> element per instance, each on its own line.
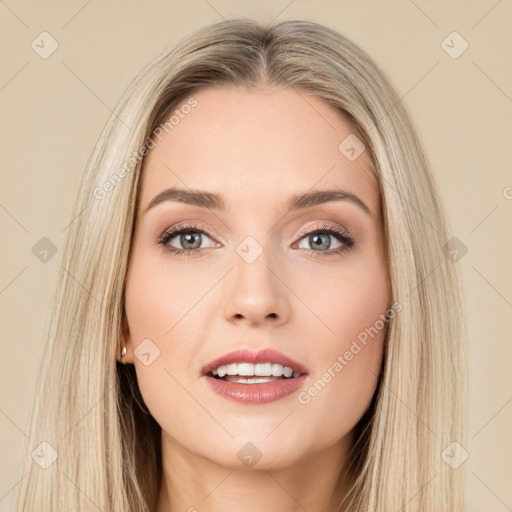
<point x="258" y="453"/>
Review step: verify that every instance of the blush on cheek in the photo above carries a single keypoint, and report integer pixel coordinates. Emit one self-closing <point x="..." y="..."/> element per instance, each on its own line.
<point x="353" y="315"/>
<point x="348" y="296"/>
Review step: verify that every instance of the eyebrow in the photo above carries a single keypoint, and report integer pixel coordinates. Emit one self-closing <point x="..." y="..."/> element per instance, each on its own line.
<point x="215" y="201"/>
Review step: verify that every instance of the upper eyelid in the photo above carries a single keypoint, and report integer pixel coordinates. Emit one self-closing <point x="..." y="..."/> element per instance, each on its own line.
<point x="177" y="230"/>
<point x="324" y="227"/>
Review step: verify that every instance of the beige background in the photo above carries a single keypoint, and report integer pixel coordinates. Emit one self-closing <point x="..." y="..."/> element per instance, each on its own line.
<point x="52" y="110"/>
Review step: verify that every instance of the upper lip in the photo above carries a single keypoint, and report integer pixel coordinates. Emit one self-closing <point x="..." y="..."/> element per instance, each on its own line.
<point x="267" y="355"/>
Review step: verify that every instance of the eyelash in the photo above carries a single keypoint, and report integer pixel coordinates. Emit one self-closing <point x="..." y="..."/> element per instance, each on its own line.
<point x="347" y="240"/>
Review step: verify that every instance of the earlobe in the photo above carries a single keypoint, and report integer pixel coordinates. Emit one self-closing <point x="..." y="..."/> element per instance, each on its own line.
<point x="123" y="355"/>
<point x="123" y="352"/>
<point x="124" y="343"/>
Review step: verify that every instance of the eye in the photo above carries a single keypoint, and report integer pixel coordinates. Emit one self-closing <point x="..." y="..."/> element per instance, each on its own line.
<point x="320" y="241"/>
<point x="189" y="238"/>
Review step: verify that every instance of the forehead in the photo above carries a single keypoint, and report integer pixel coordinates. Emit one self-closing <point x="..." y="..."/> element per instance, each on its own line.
<point x="254" y="145"/>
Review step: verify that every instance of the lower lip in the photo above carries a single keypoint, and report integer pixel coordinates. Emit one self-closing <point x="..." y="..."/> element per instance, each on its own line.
<point x="255" y="393"/>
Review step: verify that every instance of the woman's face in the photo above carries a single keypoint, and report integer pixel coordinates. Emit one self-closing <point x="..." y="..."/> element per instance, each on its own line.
<point x="252" y="273"/>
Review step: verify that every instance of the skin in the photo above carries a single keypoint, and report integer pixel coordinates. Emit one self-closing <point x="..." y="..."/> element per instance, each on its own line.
<point x="257" y="147"/>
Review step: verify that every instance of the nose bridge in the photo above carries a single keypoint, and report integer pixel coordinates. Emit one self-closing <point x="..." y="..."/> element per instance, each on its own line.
<point x="255" y="291"/>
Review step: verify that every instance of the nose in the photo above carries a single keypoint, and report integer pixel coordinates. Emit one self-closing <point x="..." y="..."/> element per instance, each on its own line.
<point x="257" y="293"/>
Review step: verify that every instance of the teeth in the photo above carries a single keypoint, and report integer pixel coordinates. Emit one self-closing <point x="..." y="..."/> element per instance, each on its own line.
<point x="245" y="369"/>
<point x="258" y="370"/>
<point x="250" y="380"/>
<point x="263" y="370"/>
<point x="232" y="369"/>
<point x="287" y="372"/>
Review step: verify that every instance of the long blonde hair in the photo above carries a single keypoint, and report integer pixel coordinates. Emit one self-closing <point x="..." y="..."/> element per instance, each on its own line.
<point x="88" y="410"/>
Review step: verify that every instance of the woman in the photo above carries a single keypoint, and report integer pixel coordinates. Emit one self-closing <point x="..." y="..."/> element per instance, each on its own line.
<point x="255" y="306"/>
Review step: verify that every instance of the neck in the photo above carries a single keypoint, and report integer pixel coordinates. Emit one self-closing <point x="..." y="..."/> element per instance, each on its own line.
<point x="192" y="483"/>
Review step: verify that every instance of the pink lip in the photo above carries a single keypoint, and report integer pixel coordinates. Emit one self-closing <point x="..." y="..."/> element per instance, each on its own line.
<point x="247" y="356"/>
<point x="255" y="393"/>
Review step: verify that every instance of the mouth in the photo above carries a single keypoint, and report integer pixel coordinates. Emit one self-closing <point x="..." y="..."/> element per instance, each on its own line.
<point x="249" y="373"/>
<point x="254" y="377"/>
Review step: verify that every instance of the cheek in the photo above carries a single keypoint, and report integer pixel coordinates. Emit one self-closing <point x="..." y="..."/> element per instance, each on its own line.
<point x="344" y="388"/>
<point x="155" y="304"/>
<point x="345" y="374"/>
<point x="158" y="299"/>
<point x="166" y="305"/>
<point x="345" y="301"/>
<point x="351" y="306"/>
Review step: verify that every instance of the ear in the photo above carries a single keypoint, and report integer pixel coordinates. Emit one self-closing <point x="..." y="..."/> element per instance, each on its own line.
<point x="125" y="341"/>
